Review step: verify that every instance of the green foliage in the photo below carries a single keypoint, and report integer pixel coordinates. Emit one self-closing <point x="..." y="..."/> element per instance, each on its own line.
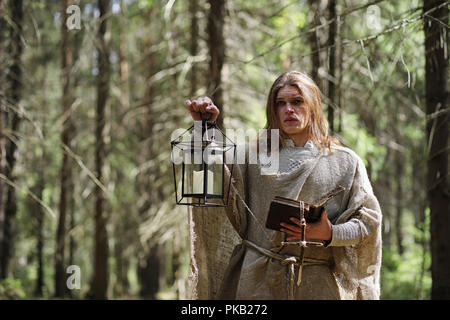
<point x="11" y="289"/>
<point x="402" y="276"/>
<point x="408" y="276"/>
<point x="363" y="143"/>
<point x="257" y="118"/>
<point x="145" y="4"/>
<point x="288" y="20"/>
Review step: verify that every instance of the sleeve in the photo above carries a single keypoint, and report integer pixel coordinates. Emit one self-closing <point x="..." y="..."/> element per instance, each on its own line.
<point x="346" y="234"/>
<point x="362" y="215"/>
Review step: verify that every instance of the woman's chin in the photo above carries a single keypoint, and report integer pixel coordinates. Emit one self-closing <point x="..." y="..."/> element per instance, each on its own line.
<point x="292" y="130"/>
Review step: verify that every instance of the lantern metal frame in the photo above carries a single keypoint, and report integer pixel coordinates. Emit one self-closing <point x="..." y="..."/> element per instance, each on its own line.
<point x="202" y="199"/>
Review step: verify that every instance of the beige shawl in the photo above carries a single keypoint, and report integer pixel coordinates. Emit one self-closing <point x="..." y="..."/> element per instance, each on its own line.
<point x="218" y="259"/>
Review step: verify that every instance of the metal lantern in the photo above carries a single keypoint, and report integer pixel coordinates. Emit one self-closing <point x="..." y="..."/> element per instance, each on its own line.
<point x="199" y="156"/>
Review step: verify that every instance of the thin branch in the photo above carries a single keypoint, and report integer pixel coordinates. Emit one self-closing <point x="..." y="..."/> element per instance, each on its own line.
<point x="78" y="160"/>
<point x="31" y="194"/>
<point x="367" y="61"/>
<point x="437" y="20"/>
<point x="403" y="60"/>
<point x="433" y="128"/>
<point x="437" y="114"/>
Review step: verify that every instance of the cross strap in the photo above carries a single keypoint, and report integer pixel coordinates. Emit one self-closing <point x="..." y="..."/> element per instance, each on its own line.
<point x="291" y="261"/>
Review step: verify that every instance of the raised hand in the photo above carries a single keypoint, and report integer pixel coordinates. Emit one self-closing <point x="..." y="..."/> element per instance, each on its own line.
<point x="202" y="108"/>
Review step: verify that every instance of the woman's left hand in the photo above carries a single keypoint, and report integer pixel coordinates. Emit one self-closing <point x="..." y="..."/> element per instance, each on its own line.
<point x="320" y="230"/>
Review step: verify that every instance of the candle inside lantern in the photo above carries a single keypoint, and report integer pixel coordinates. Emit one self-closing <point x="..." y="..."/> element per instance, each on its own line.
<point x="210" y="182"/>
<point x="197" y="182"/>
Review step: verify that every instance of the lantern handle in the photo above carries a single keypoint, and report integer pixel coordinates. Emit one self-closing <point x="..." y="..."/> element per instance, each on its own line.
<point x="204" y="121"/>
<point x="204" y="118"/>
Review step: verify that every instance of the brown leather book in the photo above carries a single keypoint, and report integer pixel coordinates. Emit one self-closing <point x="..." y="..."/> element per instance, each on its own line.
<point x="282" y="209"/>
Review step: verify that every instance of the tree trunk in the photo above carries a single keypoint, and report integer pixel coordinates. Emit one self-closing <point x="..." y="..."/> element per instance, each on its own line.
<point x="340" y="63"/>
<point x="72" y="243"/>
<point x="386" y="184"/>
<point x="436" y="101"/>
<point x="314" y="41"/>
<point x="122" y="261"/>
<point x="149" y="272"/>
<point x="418" y="181"/>
<point x="332" y="63"/>
<point x="37" y="211"/>
<point x="66" y="136"/>
<point x="216" y="45"/>
<point x="399" y="201"/>
<point x="14" y="79"/>
<point x="121" y="224"/>
<point x="39" y="214"/>
<point x="3" y="185"/>
<point x="100" y="281"/>
<point x="396" y="124"/>
<point x="123" y="63"/>
<point x="148" y="266"/>
<point x="193" y="48"/>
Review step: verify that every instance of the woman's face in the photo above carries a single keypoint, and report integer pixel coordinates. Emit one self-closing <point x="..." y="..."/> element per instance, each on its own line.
<point x="292" y="111"/>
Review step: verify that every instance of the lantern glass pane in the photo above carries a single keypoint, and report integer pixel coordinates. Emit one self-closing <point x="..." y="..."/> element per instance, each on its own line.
<point x="193" y="178"/>
<point x="215" y="173"/>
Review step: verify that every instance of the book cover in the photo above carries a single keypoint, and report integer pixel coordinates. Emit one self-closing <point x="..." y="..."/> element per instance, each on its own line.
<point x="282" y="209"/>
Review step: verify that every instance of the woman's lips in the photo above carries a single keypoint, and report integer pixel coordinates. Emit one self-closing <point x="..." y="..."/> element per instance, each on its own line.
<point x="290" y="120"/>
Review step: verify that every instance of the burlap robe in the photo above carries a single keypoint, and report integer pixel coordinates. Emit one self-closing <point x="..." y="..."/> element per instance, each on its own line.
<point x="222" y="268"/>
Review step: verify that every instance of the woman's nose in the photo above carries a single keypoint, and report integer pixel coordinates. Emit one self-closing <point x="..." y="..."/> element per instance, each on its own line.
<point x="289" y="108"/>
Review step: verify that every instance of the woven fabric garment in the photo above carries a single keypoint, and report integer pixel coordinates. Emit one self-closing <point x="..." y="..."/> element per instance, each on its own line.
<point x="223" y="268"/>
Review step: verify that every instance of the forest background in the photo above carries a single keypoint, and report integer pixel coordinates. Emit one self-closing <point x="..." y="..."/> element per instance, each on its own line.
<point x="91" y="91"/>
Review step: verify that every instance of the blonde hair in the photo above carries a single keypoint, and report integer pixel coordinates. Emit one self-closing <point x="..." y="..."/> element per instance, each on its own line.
<point x="317" y="125"/>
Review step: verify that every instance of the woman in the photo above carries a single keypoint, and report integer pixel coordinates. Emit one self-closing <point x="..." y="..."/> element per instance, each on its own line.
<point x="311" y="163"/>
